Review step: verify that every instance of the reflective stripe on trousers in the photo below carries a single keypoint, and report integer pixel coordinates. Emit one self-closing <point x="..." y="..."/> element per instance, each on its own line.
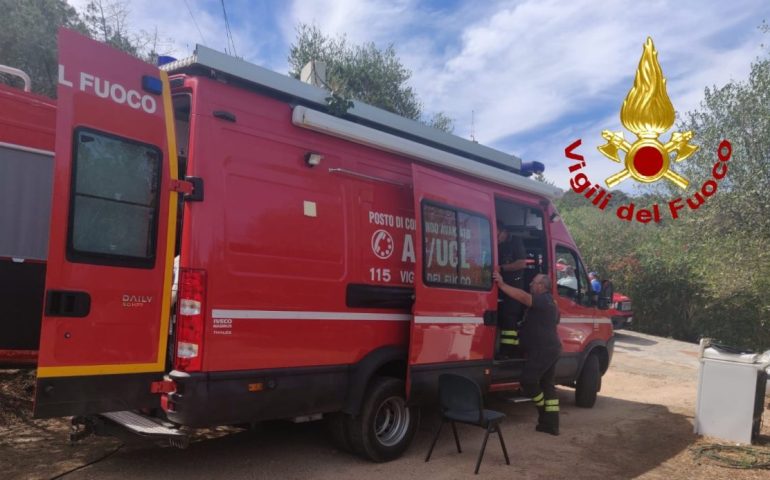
<point x="509" y="337"/>
<point x="552" y="405"/>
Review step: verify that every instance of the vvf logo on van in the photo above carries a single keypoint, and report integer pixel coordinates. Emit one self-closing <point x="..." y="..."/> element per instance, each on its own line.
<point x="648" y="113"/>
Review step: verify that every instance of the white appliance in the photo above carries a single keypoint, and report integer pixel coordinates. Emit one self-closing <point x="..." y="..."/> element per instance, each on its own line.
<point x="731" y="393"/>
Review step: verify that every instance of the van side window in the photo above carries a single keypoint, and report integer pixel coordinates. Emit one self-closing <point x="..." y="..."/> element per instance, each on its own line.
<point x="457" y="248"/>
<point x="571" y="278"/>
<point x="114" y="200"/>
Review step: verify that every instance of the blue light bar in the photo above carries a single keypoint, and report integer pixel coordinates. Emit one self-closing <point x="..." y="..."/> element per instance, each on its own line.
<point x="152" y="85"/>
<point x="528" y="168"/>
<point x="164" y="59"/>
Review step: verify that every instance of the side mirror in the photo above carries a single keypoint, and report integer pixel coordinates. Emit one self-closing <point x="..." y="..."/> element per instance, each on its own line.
<point x="605" y="295"/>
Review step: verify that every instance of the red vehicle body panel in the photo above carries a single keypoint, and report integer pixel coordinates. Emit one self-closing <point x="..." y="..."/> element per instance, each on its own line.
<point x="27" y="121"/>
<point x="263" y="256"/>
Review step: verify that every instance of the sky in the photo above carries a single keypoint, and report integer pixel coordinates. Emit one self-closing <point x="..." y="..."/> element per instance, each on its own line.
<point x="527" y="77"/>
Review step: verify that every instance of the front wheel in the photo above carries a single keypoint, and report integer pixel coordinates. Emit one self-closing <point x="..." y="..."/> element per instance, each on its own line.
<point x="386" y="424"/>
<point x="588" y="383"/>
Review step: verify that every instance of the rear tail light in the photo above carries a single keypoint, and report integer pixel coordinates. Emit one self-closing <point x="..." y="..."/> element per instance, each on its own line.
<point x="190" y="320"/>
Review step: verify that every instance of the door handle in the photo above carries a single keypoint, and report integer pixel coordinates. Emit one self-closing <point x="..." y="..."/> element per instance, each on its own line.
<point x="62" y="303"/>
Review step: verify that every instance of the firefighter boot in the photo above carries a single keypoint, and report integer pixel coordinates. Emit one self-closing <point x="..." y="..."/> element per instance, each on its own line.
<point x="540" y="415"/>
<point x="550" y="423"/>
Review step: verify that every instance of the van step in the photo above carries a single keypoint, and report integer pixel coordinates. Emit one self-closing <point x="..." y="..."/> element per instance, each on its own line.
<point x="507" y="363"/>
<point x="518" y="399"/>
<point x="144" y="425"/>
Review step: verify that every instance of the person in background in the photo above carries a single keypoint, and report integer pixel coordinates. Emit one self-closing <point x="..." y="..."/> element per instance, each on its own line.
<point x="541" y="345"/>
<point x="596" y="284"/>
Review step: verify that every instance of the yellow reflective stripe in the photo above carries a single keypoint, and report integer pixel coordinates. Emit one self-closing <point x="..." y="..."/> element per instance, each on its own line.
<point x="552" y="402"/>
<point x="509" y="341"/>
<point x="551" y="408"/>
<point x="539" y="404"/>
<point x="538" y="397"/>
<point x="512" y="333"/>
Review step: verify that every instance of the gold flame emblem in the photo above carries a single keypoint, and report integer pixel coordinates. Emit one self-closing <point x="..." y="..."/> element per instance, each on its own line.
<point x="647" y="112"/>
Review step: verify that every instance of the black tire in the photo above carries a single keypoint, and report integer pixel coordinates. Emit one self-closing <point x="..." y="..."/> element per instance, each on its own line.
<point x="385" y="427"/>
<point x="337" y="427"/>
<point x="588" y="383"/>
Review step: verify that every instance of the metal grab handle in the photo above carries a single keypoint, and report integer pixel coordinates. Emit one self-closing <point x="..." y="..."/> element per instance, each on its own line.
<point x="18" y="73"/>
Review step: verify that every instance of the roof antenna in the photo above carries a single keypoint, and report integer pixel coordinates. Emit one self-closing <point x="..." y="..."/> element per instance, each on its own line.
<point x="473" y="127"/>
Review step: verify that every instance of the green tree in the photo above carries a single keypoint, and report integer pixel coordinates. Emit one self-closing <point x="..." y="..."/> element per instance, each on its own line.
<point x="731" y="231"/>
<point x="362" y="72"/>
<point x="28" y="38"/>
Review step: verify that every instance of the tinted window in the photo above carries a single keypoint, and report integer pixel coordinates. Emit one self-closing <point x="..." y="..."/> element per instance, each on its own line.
<point x="457" y="248"/>
<point x="115" y="195"/>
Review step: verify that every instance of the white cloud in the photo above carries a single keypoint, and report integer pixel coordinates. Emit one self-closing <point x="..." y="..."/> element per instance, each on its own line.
<point x="359" y="20"/>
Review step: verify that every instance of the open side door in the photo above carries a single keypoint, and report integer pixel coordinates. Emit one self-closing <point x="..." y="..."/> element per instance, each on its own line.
<point x="453" y="327"/>
<point x="108" y="282"/>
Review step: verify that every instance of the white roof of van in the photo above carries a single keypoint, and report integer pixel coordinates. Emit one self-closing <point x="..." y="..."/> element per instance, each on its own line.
<point x="286" y="86"/>
<point x="236" y="67"/>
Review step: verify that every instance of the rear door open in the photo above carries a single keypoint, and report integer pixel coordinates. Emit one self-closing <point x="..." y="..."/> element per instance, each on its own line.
<point x="453" y="328"/>
<point x="107" y="300"/>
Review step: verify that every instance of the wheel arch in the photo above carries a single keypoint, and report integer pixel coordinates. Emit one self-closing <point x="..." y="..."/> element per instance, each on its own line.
<point x="388" y="361"/>
<point x="599" y="348"/>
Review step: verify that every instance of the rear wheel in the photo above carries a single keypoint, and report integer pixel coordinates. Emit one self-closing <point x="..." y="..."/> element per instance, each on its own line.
<point x="386" y="425"/>
<point x="588" y="383"/>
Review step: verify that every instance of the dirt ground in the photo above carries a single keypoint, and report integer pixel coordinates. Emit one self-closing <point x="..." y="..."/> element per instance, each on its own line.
<point x="641" y="427"/>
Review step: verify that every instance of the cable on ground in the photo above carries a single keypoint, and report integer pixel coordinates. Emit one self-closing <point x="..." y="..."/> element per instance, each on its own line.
<point x="733" y="456"/>
<point x="92" y="462"/>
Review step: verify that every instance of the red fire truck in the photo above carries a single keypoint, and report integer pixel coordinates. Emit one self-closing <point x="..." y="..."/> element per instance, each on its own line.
<point x="329" y="265"/>
<point x="27" y="127"/>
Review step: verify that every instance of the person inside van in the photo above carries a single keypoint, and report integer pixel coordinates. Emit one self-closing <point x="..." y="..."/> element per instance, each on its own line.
<point x="512" y="259"/>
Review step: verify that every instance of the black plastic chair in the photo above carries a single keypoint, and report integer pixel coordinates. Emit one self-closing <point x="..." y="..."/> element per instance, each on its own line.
<point x="461" y="401"/>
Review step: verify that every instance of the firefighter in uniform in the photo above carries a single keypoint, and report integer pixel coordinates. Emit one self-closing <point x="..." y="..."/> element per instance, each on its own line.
<point x="542" y="347"/>
<point x="512" y="259"/>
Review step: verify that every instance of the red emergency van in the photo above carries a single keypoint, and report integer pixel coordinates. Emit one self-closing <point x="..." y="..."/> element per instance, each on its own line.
<point x="27" y="128"/>
<point x="328" y="266"/>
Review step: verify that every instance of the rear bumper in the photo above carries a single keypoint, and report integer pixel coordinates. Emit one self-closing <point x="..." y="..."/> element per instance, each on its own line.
<point x="224" y="398"/>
